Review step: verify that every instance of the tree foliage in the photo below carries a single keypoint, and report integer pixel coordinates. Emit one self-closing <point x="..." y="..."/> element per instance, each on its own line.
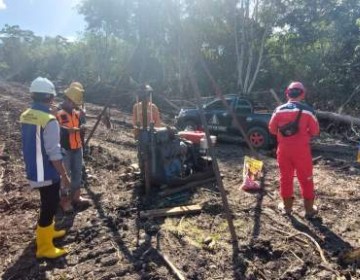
<point x="247" y="45"/>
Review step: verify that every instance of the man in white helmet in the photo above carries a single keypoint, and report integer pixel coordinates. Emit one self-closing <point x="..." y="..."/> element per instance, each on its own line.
<point x="44" y="166"/>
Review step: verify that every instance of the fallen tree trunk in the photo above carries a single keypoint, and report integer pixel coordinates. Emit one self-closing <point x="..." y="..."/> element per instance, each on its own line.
<point x="343" y="149"/>
<point x="325" y="114"/>
<point x="337" y="117"/>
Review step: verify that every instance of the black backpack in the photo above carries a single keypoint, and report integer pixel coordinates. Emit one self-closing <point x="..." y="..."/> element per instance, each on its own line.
<point x="292" y="127"/>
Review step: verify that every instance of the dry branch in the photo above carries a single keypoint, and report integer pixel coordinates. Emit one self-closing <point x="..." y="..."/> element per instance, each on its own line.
<point x="325" y="263"/>
<point x="171" y="211"/>
<point x="316" y="159"/>
<point x="321" y="252"/>
<point x="171" y="266"/>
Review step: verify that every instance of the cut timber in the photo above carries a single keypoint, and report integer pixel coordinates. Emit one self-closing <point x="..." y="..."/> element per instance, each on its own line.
<point x="187" y="186"/>
<point x="335" y="148"/>
<point x="171" y="211"/>
<point x="337" y="117"/>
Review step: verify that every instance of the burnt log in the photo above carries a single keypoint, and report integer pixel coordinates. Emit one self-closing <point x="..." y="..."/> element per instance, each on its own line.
<point x="325" y="115"/>
<point x="337" y="117"/>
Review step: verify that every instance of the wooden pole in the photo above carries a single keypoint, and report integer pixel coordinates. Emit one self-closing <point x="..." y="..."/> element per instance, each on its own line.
<point x="230" y="110"/>
<point x="97" y="121"/>
<point x="215" y="164"/>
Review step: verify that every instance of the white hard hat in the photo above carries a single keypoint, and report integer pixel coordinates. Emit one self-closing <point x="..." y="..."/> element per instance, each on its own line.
<point x="42" y="85"/>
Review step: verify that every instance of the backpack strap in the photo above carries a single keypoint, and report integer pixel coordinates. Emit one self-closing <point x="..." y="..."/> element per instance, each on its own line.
<point x="298" y="116"/>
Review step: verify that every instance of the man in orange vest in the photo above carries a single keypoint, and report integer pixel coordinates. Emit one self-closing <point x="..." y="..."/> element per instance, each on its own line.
<point x="81" y="109"/>
<point x="71" y="127"/>
<point x="153" y="114"/>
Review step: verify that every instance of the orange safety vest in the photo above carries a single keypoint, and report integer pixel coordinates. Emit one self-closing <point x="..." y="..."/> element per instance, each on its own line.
<point x="152" y="111"/>
<point x="71" y="120"/>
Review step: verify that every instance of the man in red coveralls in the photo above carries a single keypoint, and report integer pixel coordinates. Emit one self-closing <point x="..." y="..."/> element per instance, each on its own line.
<point x="293" y="152"/>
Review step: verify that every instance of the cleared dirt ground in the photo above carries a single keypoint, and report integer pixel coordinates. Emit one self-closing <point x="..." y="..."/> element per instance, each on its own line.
<point x="109" y="241"/>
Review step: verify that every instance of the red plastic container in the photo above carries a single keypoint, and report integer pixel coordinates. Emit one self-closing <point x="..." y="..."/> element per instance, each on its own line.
<point x="193" y="136"/>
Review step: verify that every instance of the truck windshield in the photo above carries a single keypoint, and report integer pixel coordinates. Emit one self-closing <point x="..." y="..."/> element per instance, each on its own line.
<point x="243" y="107"/>
<point x="218" y="104"/>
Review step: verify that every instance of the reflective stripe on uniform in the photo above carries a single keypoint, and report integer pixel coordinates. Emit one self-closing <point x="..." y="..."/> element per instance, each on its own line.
<point x="71" y="121"/>
<point x="39" y="169"/>
<point x="39" y="156"/>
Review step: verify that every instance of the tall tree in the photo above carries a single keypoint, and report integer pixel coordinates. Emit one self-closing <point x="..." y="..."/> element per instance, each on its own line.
<point x="17" y="51"/>
<point x="317" y="43"/>
<point x="145" y="24"/>
<point x="253" y="23"/>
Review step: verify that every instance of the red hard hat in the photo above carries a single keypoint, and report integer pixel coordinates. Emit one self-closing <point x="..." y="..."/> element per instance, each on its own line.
<point x="296" y="89"/>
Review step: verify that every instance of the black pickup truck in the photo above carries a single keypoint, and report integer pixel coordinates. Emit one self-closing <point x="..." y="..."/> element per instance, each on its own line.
<point x="220" y="120"/>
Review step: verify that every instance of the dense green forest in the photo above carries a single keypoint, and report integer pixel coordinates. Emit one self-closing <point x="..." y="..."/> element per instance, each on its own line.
<point x="247" y="46"/>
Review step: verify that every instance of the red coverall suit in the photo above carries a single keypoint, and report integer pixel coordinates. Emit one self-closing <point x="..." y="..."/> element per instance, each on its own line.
<point x="293" y="152"/>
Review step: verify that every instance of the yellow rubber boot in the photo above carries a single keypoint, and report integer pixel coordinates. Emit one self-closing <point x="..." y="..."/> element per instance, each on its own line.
<point x="44" y="243"/>
<point x="57" y="233"/>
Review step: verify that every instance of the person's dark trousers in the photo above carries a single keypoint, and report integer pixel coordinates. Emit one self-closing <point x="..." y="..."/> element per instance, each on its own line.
<point x="50" y="198"/>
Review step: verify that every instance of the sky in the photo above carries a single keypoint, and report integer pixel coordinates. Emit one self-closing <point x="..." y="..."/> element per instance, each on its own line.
<point x="43" y="17"/>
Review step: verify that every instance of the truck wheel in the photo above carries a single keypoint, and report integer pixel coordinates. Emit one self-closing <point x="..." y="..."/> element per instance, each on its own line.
<point x="258" y="137"/>
<point x="189" y="126"/>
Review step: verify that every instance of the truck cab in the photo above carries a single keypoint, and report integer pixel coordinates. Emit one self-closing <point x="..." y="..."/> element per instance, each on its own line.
<point x="220" y="113"/>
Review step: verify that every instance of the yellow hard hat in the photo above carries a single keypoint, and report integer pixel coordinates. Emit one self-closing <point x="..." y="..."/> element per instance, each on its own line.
<point x="77" y="84"/>
<point x="75" y="94"/>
